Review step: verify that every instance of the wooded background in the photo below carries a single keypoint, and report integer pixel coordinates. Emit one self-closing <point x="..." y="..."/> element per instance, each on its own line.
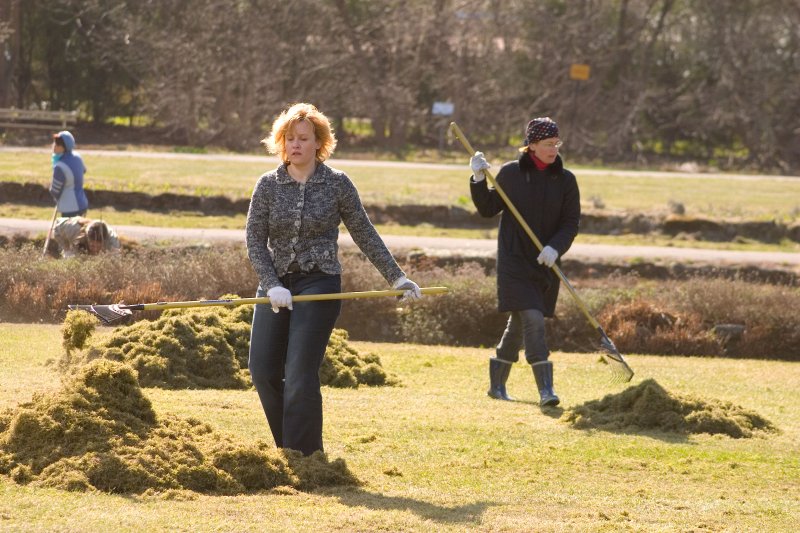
<point x="710" y="81"/>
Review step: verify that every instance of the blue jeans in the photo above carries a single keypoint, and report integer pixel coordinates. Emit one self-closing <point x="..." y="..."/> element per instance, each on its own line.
<point x="286" y="352"/>
<point x="525" y="328"/>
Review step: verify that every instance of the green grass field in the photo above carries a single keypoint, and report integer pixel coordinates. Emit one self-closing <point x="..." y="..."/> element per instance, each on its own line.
<point x="764" y="198"/>
<point x="437" y="455"/>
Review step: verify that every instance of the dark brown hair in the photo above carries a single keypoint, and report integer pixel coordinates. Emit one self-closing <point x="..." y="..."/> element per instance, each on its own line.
<point x="97" y="231"/>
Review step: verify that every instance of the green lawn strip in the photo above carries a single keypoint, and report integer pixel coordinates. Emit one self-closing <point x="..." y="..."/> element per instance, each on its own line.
<point x="767" y="198"/>
<point x="437" y="454"/>
<point x="27" y="356"/>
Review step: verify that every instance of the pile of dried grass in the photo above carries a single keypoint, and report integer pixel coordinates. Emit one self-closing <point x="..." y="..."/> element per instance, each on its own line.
<point x="648" y="406"/>
<point x="204" y="348"/>
<point x="343" y="366"/>
<point x="99" y="432"/>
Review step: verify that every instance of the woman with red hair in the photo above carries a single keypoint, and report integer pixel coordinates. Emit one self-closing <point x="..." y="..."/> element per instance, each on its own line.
<point x="292" y="232"/>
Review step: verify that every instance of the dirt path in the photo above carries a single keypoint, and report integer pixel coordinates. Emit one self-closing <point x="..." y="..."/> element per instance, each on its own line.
<point x="447" y="246"/>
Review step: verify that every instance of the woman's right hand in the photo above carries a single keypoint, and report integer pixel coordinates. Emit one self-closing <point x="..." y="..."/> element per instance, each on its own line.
<point x="279" y="297"/>
<point x="478" y="165"/>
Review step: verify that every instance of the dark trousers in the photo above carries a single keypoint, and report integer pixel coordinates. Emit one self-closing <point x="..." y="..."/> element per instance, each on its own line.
<point x="524" y="328"/>
<point x="286" y="351"/>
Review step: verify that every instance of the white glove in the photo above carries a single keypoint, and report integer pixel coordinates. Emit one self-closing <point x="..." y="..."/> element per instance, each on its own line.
<point x="279" y="297"/>
<point x="411" y="288"/>
<point x="478" y="164"/>
<point x="548" y="256"/>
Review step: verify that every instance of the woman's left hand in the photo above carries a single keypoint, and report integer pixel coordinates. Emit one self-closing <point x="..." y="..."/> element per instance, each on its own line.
<point x="548" y="256"/>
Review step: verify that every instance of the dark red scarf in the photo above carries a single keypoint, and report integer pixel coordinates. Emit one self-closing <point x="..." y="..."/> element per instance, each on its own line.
<point x="540" y="165"/>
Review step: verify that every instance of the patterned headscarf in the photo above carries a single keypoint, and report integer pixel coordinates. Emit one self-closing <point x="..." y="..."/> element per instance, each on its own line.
<point x="540" y="128"/>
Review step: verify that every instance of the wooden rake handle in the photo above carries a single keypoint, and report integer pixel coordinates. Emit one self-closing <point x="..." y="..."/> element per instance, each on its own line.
<point x="265" y="299"/>
<point x="114" y="312"/>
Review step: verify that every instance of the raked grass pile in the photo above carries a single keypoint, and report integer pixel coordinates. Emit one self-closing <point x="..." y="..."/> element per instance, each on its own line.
<point x="203" y="348"/>
<point x="100" y="432"/>
<point x="649" y="407"/>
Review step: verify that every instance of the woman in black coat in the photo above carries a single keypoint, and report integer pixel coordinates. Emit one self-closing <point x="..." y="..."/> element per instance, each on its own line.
<point x="547" y="196"/>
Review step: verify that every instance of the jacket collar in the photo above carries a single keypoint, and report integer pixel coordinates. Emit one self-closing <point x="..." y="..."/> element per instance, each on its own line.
<point x="318" y="176"/>
<point x="527" y="165"/>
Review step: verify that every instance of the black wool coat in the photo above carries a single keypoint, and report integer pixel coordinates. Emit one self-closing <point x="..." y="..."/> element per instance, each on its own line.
<point x="549" y="202"/>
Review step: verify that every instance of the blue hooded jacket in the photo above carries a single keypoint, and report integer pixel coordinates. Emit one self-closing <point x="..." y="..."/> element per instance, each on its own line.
<point x="67" y="184"/>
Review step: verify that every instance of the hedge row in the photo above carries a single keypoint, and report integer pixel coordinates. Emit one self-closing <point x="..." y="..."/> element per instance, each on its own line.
<point x="698" y="316"/>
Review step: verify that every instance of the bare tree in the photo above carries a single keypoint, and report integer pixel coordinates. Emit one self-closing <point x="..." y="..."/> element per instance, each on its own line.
<point x="709" y="80"/>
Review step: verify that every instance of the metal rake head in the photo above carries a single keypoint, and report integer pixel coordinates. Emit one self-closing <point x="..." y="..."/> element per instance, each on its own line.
<point x="619" y="366"/>
<point x="107" y="314"/>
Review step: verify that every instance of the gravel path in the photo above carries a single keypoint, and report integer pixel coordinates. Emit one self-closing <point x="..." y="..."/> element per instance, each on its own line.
<point x="447" y="246"/>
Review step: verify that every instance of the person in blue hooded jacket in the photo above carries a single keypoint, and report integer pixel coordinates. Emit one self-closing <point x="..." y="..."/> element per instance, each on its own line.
<point x="66" y="186"/>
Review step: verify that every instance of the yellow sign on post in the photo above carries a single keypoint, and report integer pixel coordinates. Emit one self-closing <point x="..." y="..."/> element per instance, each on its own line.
<point x="579" y="71"/>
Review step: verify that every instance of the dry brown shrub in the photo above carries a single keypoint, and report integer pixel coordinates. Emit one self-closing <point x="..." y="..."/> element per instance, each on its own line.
<point x="465" y="316"/>
<point x="375" y="315"/>
<point x="32" y="290"/>
<point x="772" y="326"/>
<point x="42" y="289"/>
<point x="645" y="327"/>
<point x="27" y="300"/>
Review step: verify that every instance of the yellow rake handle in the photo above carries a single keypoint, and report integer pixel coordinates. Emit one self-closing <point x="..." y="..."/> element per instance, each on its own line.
<point x="265" y="299"/>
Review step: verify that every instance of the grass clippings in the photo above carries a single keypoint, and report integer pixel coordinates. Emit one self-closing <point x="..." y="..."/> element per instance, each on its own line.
<point x="204" y="348"/>
<point x="77" y="329"/>
<point x="346" y="367"/>
<point x="648" y="406"/>
<point x="99" y="432"/>
<point x="176" y="351"/>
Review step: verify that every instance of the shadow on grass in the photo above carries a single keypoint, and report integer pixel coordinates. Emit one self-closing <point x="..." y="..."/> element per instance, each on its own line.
<point x="663" y="436"/>
<point x="552" y="411"/>
<point x="460" y="514"/>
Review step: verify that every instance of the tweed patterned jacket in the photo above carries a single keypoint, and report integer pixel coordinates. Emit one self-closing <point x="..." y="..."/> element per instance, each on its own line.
<point x="291" y="222"/>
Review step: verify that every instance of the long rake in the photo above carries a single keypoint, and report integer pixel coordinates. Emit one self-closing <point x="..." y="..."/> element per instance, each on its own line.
<point x="109" y="314"/>
<point x="618" y="364"/>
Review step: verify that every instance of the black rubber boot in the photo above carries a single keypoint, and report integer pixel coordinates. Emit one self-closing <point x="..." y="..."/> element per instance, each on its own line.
<point x="543" y="372"/>
<point x="498" y="375"/>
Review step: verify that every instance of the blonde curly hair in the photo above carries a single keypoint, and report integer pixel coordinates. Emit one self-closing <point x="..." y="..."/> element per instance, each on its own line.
<point x="276" y="142"/>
